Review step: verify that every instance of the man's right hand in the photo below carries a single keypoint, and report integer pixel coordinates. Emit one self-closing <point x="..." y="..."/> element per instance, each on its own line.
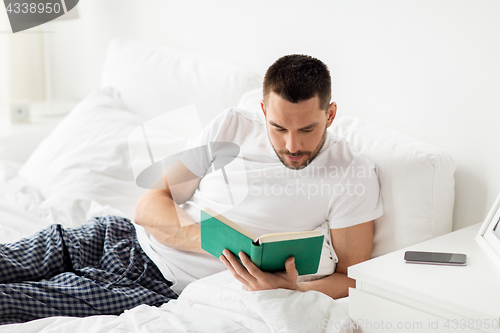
<point x="159" y="213"/>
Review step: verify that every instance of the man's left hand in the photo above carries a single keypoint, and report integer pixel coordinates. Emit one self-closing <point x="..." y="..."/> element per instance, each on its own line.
<point x="255" y="279"/>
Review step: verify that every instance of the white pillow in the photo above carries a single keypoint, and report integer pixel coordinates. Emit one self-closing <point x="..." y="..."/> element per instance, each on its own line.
<point x="86" y="157"/>
<point x="416" y="180"/>
<point x="153" y="79"/>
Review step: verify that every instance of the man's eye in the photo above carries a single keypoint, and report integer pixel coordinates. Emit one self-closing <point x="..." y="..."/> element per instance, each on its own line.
<point x="308" y="130"/>
<point x="281" y="129"/>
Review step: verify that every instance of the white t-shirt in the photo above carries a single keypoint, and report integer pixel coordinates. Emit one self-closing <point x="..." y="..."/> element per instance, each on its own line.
<point x="339" y="186"/>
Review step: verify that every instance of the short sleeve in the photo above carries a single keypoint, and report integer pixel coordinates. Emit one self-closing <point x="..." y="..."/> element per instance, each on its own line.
<point x="357" y="198"/>
<point x="196" y="156"/>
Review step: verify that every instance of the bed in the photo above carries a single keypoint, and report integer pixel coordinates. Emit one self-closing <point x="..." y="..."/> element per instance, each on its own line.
<point x="83" y="169"/>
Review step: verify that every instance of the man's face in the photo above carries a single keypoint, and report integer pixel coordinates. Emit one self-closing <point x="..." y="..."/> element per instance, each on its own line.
<point x="297" y="131"/>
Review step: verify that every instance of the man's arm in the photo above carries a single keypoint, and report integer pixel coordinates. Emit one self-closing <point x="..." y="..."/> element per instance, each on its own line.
<point x="159" y="213"/>
<point x="352" y="245"/>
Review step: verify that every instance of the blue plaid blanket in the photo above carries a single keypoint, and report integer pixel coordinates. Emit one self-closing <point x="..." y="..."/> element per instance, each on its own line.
<point x="95" y="269"/>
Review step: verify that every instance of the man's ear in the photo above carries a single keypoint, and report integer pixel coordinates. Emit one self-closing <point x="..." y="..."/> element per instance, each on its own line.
<point x="331" y="113"/>
<point x="263" y="108"/>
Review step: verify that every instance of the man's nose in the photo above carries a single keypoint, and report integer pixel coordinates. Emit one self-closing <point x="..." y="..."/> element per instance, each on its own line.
<point x="293" y="143"/>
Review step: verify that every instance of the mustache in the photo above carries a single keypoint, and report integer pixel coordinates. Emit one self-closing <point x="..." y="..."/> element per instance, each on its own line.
<point x="298" y="153"/>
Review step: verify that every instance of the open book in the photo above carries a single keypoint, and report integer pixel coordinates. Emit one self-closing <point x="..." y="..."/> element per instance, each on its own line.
<point x="268" y="252"/>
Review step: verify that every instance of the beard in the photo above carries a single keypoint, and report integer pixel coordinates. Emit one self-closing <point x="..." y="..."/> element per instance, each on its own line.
<point x="309" y="156"/>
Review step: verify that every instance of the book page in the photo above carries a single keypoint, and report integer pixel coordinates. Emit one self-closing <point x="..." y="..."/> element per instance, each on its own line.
<point x="230" y="224"/>
<point x="268" y="238"/>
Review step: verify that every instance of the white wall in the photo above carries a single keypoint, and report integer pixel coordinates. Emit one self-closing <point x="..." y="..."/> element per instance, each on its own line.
<point x="427" y="68"/>
<point x="21" y="64"/>
<point x="4" y="61"/>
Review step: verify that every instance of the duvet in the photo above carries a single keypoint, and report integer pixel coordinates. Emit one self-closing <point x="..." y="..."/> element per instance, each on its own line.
<point x="217" y="303"/>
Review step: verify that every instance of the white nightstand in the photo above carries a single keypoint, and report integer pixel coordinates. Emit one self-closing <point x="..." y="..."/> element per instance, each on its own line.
<point x="394" y="296"/>
<point x="18" y="140"/>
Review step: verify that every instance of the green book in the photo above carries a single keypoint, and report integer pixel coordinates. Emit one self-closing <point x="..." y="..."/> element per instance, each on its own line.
<point x="268" y="252"/>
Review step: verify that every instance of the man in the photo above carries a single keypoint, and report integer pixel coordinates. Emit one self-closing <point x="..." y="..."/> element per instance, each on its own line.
<point x="296" y="114"/>
<point x="110" y="265"/>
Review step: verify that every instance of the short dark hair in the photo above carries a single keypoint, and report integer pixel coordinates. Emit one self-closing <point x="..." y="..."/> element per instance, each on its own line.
<point x="297" y="78"/>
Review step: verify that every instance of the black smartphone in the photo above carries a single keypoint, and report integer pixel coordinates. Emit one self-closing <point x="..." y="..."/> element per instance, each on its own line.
<point x="435" y="258"/>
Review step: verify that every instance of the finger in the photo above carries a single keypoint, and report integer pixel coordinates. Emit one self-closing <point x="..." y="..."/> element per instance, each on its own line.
<point x="230" y="259"/>
<point x="290" y="266"/>
<point x="233" y="272"/>
<point x="237" y="266"/>
<point x="227" y="263"/>
<point x="249" y="265"/>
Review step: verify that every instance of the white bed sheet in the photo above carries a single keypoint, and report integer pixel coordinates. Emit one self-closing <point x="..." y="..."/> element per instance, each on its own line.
<point x="19" y="205"/>
<point x="214" y="304"/>
<point x="23" y="209"/>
